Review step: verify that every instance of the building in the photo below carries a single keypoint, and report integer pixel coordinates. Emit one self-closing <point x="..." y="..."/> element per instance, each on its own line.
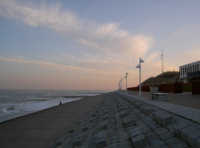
<point x="190" y="71"/>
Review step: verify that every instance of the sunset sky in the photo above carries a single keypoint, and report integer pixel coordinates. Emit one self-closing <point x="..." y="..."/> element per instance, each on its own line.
<point x="91" y="44"/>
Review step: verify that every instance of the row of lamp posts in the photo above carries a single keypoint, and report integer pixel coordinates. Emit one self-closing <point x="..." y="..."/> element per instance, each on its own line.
<point x="139" y="66"/>
<point x="121" y="81"/>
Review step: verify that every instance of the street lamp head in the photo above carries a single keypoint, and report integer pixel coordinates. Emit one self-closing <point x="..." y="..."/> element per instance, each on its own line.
<point x="138" y="66"/>
<point x="126" y="75"/>
<point x="141" y="60"/>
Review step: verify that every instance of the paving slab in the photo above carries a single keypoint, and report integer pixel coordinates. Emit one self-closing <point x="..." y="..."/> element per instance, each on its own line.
<point x="138" y="141"/>
<point x="135" y="130"/>
<point x="186" y="112"/>
<point x="176" y="143"/>
<point x="163" y="118"/>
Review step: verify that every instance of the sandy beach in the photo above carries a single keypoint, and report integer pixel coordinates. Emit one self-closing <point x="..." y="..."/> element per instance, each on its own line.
<point x="40" y="130"/>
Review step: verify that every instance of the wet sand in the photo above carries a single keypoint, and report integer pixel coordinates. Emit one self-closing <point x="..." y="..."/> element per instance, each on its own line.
<point x="40" y="130"/>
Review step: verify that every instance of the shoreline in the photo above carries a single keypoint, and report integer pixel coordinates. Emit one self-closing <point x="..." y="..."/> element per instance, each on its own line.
<point x="42" y="128"/>
<point x="18" y="115"/>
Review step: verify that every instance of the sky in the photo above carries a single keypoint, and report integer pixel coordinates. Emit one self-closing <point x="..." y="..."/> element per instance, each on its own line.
<point x="91" y="44"/>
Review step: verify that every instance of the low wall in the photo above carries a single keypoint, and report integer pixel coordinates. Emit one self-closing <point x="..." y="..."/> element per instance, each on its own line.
<point x="196" y="87"/>
<point x="173" y="88"/>
<point x="133" y="88"/>
<point x="144" y="88"/>
<point x="187" y="87"/>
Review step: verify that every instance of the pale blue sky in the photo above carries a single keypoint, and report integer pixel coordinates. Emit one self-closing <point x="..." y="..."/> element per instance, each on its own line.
<point x="90" y="44"/>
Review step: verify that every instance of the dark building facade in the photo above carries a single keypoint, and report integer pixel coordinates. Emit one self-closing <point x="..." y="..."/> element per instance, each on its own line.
<point x="190" y="71"/>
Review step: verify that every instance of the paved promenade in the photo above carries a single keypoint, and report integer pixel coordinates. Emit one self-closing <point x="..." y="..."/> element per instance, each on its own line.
<point x="121" y="121"/>
<point x="185" y="99"/>
<point x="185" y="112"/>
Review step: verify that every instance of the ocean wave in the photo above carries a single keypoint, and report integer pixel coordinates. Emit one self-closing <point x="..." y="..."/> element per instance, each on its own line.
<point x="10" y="111"/>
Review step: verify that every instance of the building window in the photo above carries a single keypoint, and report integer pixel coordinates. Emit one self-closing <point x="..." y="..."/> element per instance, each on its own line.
<point x="198" y="67"/>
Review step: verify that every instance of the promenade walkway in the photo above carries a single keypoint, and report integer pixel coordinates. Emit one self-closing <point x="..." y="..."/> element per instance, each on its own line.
<point x="186" y="112"/>
<point x="124" y="121"/>
<point x="185" y="99"/>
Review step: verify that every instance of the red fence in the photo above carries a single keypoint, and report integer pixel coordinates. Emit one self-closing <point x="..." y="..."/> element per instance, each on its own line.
<point x="133" y="88"/>
<point x="174" y="88"/>
<point x="193" y="87"/>
<point x="146" y="88"/>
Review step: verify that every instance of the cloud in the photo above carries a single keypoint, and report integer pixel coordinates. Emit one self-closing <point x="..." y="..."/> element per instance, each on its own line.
<point x="110" y="49"/>
<point x="108" y="37"/>
<point x="89" y="66"/>
<point x="192" y="54"/>
<point x="41" y="16"/>
<point x="46" y="64"/>
<point x="59" y="76"/>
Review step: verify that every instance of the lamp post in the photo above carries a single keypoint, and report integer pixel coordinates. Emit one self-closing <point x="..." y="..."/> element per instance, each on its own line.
<point x="120" y="84"/>
<point x="126" y="76"/>
<point x="139" y="66"/>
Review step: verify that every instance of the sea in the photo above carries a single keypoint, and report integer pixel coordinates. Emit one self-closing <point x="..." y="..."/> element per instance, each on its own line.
<point x="16" y="103"/>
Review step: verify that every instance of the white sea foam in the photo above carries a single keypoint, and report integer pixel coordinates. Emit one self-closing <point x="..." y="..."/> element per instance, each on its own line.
<point x="12" y="110"/>
<point x="16" y="103"/>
